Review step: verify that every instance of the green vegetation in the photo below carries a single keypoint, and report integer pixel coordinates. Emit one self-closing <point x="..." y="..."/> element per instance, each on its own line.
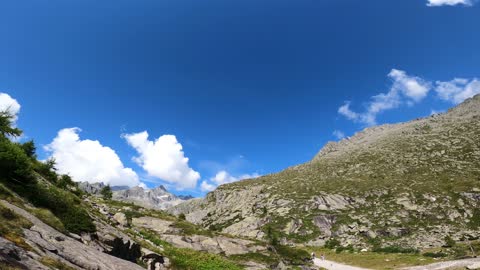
<point x="186" y="259"/>
<point x="11" y="227"/>
<point x="38" y="183"/>
<point x="435" y="254"/>
<point x="191" y="229"/>
<point x="374" y="260"/>
<point x="395" y="249"/>
<point x="293" y="256"/>
<point x="55" y="264"/>
<point x="49" y="218"/>
<point x="449" y="242"/>
<point x="106" y="192"/>
<point x="256" y="257"/>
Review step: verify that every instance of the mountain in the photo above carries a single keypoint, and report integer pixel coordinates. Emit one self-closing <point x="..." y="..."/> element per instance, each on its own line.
<point x="413" y="185"/>
<point x="95" y="188"/>
<point x="158" y="198"/>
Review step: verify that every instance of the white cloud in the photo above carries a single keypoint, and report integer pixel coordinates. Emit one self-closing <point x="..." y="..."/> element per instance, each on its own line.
<point x="457" y="90"/>
<point x="87" y="160"/>
<point x="412" y="87"/>
<point x="405" y="89"/>
<point x="206" y="187"/>
<point x="10" y="105"/>
<point x="163" y="159"/>
<point x="339" y="134"/>
<point x="223" y="177"/>
<point x="437" y="3"/>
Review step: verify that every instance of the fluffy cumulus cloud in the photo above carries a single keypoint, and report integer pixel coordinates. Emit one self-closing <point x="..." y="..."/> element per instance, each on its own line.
<point x="223" y="177"/>
<point x="457" y="90"/>
<point x="437" y="3"/>
<point x="405" y="89"/>
<point x="163" y="158"/>
<point x="10" y="105"/>
<point x="88" y="160"/>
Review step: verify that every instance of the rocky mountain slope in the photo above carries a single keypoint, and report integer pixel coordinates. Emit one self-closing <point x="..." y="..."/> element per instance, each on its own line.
<point x="413" y="184"/>
<point x="48" y="222"/>
<point x="158" y="198"/>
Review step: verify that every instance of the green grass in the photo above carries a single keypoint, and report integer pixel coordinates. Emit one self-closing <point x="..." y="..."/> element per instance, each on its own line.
<point x="50" y="219"/>
<point x="11" y="226"/>
<point x="187" y="259"/>
<point x="374" y="260"/>
<point x="55" y="264"/>
<point x="191" y="229"/>
<point x="255" y="257"/>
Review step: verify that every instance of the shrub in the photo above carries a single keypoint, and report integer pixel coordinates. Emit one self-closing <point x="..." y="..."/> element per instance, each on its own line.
<point x="293" y="255"/>
<point x="435" y="254"/>
<point x="66" y="206"/>
<point x="182" y="216"/>
<point x="46" y="169"/>
<point x="332" y="243"/>
<point x="395" y="249"/>
<point x="106" y="193"/>
<point x="449" y="242"/>
<point x="14" y="163"/>
<point x="348" y="248"/>
<point x="65" y="182"/>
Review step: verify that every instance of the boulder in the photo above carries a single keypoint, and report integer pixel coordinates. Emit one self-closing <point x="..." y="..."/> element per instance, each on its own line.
<point x="121" y="218"/>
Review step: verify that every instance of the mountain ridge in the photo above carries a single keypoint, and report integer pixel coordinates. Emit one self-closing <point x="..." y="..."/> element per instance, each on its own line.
<point x="393" y="184"/>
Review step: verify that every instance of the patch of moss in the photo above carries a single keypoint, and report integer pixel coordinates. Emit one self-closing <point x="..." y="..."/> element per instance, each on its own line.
<point x="55" y="264"/>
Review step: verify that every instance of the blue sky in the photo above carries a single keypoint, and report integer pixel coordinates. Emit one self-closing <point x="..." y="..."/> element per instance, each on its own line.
<point x="246" y="87"/>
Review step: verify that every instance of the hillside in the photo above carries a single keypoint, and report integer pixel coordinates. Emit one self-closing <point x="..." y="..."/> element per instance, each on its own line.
<point x="47" y="222"/>
<point x="410" y="185"/>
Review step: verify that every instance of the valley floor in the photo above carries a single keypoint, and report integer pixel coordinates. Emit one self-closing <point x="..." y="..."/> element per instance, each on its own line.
<point x="330" y="265"/>
<point x="473" y="263"/>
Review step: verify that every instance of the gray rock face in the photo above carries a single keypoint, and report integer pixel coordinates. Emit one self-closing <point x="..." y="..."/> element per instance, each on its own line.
<point x="17" y="257"/>
<point x="325" y="223"/>
<point x="49" y="242"/>
<point x="158" y="198"/>
<point x="375" y="184"/>
<point x="94" y="188"/>
<point x="217" y="244"/>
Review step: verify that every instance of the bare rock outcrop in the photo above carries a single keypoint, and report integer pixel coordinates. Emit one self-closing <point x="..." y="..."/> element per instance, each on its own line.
<point x="50" y="242"/>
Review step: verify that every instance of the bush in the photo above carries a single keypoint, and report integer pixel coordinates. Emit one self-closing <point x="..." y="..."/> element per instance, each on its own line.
<point x="14" y="163"/>
<point x="395" y="249"/>
<point x="449" y="242"/>
<point x="332" y="243"/>
<point x="46" y="169"/>
<point x="348" y="248"/>
<point x="66" y="206"/>
<point x="293" y="255"/>
<point x="435" y="254"/>
<point x="106" y="193"/>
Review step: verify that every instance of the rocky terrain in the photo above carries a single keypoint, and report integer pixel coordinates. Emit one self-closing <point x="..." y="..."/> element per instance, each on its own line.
<point x="48" y="221"/>
<point x="158" y="198"/>
<point x="410" y="185"/>
<point x="126" y="237"/>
